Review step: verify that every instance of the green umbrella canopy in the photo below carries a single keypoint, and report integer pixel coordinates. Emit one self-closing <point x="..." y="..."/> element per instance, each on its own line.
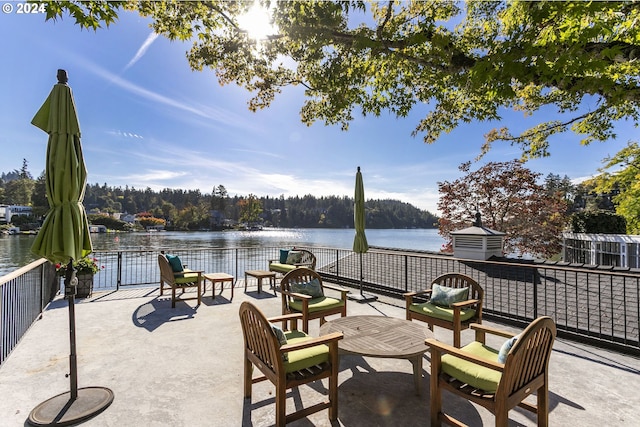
<point x="65" y="232"/>
<point x="360" y="244"/>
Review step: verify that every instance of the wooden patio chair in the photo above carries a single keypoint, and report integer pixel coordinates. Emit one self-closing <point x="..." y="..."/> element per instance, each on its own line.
<point x="302" y="292"/>
<point x="288" y="359"/>
<point x="497" y="380"/>
<point x="177" y="277"/>
<point x="455" y="313"/>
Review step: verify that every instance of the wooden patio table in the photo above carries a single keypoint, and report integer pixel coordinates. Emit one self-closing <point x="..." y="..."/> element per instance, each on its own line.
<point x="217" y="278"/>
<point x="261" y="274"/>
<point x="384" y="337"/>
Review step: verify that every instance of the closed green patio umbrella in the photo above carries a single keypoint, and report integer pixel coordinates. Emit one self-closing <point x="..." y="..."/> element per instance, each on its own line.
<point x="64" y="237"/>
<point x="65" y="232"/>
<point x="360" y="245"/>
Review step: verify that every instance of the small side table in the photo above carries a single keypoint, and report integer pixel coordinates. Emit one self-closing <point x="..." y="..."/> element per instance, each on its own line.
<point x="217" y="278"/>
<point x="261" y="274"/>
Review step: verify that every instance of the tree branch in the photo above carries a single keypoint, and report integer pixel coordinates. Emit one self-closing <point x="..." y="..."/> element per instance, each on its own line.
<point x="386" y="19"/>
<point x="548" y="129"/>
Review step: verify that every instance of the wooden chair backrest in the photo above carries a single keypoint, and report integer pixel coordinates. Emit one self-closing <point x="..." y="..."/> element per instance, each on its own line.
<point x="166" y="272"/>
<point x="529" y="356"/>
<point x="459" y="280"/>
<point x="307" y="258"/>
<point x="260" y="340"/>
<point x="299" y="275"/>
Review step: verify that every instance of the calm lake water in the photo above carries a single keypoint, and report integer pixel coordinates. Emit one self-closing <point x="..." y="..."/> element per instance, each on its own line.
<point x="15" y="251"/>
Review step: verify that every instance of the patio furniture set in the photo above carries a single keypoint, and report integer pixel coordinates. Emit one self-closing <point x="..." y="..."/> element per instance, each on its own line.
<point x="286" y="355"/>
<point x="176" y="276"/>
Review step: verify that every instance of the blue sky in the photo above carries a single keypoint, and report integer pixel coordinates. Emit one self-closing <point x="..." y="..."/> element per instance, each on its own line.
<point x="147" y="120"/>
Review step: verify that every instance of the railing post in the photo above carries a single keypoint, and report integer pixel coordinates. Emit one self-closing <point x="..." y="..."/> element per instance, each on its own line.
<point x="406" y="273"/>
<point x="42" y="285"/>
<point x="536" y="281"/>
<point x="119" y="271"/>
<point x="236" y="262"/>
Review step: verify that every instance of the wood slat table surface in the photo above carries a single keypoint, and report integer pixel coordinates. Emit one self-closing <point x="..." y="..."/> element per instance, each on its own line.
<point x="385" y="337"/>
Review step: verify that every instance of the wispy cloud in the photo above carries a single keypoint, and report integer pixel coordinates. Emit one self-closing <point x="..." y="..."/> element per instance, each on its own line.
<point x="122" y="134"/>
<point x="260" y="153"/>
<point x="142" y="50"/>
<point x="155" y="175"/>
<point x="210" y="113"/>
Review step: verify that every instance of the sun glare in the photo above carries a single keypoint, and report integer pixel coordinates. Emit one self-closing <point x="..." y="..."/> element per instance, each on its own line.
<point x="256" y="22"/>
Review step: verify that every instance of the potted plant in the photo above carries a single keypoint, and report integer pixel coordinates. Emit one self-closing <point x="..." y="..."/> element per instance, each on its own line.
<point x="84" y="269"/>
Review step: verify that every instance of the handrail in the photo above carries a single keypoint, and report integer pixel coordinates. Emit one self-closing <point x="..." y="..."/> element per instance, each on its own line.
<point x="22" y="270"/>
<point x="24" y="293"/>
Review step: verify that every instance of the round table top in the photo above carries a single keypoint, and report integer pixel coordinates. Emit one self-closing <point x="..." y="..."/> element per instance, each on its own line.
<point x="379" y="336"/>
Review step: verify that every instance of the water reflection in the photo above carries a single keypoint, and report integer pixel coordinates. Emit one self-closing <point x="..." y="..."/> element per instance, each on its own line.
<point x="15" y="251"/>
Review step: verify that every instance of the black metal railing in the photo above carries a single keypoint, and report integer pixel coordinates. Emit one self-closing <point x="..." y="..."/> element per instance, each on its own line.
<point x="597" y="305"/>
<point x="23" y="295"/>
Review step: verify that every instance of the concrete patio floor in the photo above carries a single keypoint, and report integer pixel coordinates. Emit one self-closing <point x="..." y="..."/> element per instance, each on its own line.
<point x="183" y="367"/>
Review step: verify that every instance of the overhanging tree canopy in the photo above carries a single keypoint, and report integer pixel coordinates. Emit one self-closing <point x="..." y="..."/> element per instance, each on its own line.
<point x="468" y="61"/>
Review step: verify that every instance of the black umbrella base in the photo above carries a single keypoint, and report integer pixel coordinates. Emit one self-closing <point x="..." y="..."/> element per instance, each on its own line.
<point x="60" y="410"/>
<point x="362" y="298"/>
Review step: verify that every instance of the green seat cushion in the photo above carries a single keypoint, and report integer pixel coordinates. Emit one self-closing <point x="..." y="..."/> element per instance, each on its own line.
<point x="281" y="267"/>
<point x="186" y="277"/>
<point x="318" y="304"/>
<point x="468" y="372"/>
<point x="442" y="313"/>
<point x="307" y="357"/>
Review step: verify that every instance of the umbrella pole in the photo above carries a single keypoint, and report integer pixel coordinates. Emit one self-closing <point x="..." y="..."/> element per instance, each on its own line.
<point x="69" y="292"/>
<point x="362" y="297"/>
<point x="361" y="275"/>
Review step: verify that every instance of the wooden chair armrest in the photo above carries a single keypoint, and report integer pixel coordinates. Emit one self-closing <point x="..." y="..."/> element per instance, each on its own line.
<point x="441" y="347"/>
<point x="292" y="316"/>
<point x="324" y="339"/>
<point x="466" y="303"/>
<point x="409" y="295"/>
<point x="491" y="330"/>
<point x="296" y="295"/>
